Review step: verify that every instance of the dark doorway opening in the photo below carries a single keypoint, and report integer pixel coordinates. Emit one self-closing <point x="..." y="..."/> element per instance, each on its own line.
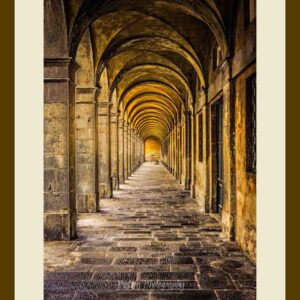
<point x="217" y="157"/>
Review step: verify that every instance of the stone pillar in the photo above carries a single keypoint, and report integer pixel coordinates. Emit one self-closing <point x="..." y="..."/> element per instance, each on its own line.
<point x="178" y="157"/>
<point x="193" y="154"/>
<point x="229" y="214"/>
<point x="207" y="113"/>
<point x="129" y="144"/>
<point x="174" y="150"/>
<point x="114" y="150"/>
<point x="143" y="150"/>
<point x="121" y="150"/>
<point x="59" y="193"/>
<point x="135" y="150"/>
<point x="132" y="150"/>
<point x="183" y="148"/>
<point x="85" y="147"/>
<point x="168" y="150"/>
<point x="140" y="150"/>
<point x="125" y="151"/>
<point x="104" y="179"/>
<point x="137" y="162"/>
<point x="188" y="150"/>
<point x="171" y="151"/>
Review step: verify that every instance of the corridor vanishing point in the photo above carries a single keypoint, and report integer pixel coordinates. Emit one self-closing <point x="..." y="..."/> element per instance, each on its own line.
<point x="150" y="149"/>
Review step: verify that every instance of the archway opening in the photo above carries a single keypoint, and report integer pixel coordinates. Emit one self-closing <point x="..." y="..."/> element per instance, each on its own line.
<point x="152" y="149"/>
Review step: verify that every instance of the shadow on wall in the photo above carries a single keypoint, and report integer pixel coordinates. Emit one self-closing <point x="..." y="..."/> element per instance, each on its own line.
<point x="152" y="149"/>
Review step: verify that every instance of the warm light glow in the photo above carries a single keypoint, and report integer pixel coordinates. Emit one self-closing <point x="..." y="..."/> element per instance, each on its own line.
<point x="152" y="150"/>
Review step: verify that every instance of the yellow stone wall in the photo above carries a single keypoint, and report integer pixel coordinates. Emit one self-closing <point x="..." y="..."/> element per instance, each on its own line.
<point x="152" y="150"/>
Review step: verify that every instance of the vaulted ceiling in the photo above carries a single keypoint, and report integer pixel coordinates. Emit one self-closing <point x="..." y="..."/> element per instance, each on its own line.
<point x="155" y="53"/>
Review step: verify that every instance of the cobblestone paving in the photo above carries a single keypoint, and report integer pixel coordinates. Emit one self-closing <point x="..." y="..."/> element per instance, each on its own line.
<point x="148" y="242"/>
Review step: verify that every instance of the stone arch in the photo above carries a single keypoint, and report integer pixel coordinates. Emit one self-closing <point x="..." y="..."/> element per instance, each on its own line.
<point x="55" y="29"/>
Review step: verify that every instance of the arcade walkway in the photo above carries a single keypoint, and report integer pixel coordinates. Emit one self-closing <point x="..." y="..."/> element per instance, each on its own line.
<point x="148" y="242"/>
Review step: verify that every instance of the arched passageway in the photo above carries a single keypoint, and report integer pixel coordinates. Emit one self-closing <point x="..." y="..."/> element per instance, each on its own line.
<point x="119" y="74"/>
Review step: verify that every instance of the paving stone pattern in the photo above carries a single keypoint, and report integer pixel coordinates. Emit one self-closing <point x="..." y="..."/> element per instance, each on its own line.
<point x="148" y="242"/>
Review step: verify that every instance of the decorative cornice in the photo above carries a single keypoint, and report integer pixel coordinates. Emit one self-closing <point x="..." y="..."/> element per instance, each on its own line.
<point x="103" y="104"/>
<point x="56" y="79"/>
<point x="85" y="90"/>
<point x="57" y="60"/>
<point x="85" y="102"/>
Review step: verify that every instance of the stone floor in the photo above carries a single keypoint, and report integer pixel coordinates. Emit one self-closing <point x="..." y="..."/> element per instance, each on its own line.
<point x="148" y="242"/>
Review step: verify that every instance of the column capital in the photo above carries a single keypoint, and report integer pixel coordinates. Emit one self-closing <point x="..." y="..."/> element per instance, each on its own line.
<point x="85" y="95"/>
<point x="57" y="69"/>
<point x="103" y="104"/>
<point x="86" y="89"/>
<point x="121" y="123"/>
<point x="54" y="61"/>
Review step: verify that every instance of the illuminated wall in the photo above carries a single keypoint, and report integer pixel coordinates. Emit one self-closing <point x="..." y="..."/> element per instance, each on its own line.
<point x="152" y="150"/>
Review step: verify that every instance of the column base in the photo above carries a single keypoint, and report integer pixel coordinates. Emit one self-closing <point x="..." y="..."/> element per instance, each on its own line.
<point x="115" y="183"/>
<point x="86" y="203"/>
<point x="193" y="191"/>
<point x="60" y="226"/>
<point x="187" y="184"/>
<point x="105" y="190"/>
<point x="122" y="180"/>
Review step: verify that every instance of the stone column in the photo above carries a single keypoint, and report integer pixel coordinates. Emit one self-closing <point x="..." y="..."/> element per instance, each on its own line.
<point x="167" y="151"/>
<point x="129" y="143"/>
<point x="137" y="161"/>
<point x="188" y="150"/>
<point x="183" y="142"/>
<point x="193" y="156"/>
<point x="178" y="156"/>
<point x="132" y="150"/>
<point x="135" y="150"/>
<point x="104" y="178"/>
<point x="206" y="136"/>
<point x="125" y="151"/>
<point x="114" y="150"/>
<point x="85" y="156"/>
<point x="170" y="152"/>
<point x="143" y="150"/>
<point x="174" y="150"/>
<point x="121" y="150"/>
<point x="59" y="194"/>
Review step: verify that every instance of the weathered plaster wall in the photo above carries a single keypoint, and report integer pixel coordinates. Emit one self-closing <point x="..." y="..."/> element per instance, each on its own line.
<point x="244" y="65"/>
<point x="245" y="224"/>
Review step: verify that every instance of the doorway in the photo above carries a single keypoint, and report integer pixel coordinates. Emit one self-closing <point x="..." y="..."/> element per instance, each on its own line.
<point x="217" y="157"/>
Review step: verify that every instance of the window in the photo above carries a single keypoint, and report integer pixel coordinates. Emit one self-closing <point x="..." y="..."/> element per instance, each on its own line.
<point x="251" y="124"/>
<point x="200" y="136"/>
<point x="216" y="57"/>
<point x="249" y="11"/>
